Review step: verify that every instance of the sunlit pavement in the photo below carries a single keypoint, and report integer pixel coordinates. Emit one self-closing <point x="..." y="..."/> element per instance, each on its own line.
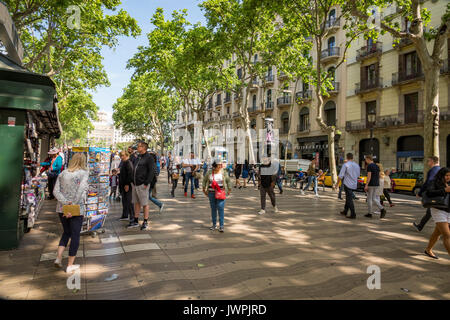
<point x="306" y="251"/>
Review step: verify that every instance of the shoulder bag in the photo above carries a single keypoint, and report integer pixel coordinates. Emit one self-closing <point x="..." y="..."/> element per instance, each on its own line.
<point x="220" y="194"/>
<point x="438" y="202"/>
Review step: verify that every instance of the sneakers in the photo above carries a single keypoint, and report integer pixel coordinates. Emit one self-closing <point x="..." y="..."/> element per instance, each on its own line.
<point x="213" y="228"/>
<point x="261" y="212"/>
<point x="391" y="205"/>
<point x="124" y="219"/>
<point x="72" y="268"/>
<point x="221" y="229"/>
<point x="368" y="215"/>
<point x="161" y="209"/>
<point x="58" y="263"/>
<point x="185" y="194"/>
<point x="302" y="192"/>
<point x="275" y="209"/>
<point x="144" y="225"/>
<point x="383" y="213"/>
<point x="417" y="226"/>
<point x="192" y="196"/>
<point x="317" y="195"/>
<point x="133" y="224"/>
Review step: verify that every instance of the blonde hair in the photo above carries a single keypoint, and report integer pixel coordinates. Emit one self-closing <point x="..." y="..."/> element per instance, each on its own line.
<point x="124" y="153"/>
<point x="78" y="162"/>
<point x="381" y="170"/>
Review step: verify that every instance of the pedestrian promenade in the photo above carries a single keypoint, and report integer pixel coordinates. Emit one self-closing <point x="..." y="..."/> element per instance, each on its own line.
<point x="306" y="251"/>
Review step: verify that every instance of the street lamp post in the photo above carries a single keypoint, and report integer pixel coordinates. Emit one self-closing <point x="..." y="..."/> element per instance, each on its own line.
<point x="371" y="118"/>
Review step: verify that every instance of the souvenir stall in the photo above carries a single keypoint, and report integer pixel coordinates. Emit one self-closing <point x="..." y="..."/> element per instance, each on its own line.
<point x="28" y="117"/>
<point x="97" y="204"/>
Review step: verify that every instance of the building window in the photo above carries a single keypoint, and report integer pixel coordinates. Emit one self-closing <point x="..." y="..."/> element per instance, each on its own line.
<point x="269" y="95"/>
<point x="239" y="73"/>
<point x="411" y="66"/>
<point x="254" y="101"/>
<point x="330" y="113"/>
<point x="412" y="108"/>
<point x="285" y="122"/>
<point x="371" y="74"/>
<point x="304" y="119"/>
<point x="331" y="42"/>
<point x="228" y="110"/>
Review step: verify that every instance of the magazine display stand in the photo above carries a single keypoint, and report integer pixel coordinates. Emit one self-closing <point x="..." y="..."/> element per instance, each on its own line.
<point x="97" y="204"/>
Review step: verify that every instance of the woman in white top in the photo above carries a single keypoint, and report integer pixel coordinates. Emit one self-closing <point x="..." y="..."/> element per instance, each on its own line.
<point x="386" y="187"/>
<point x="70" y="189"/>
<point x="217" y="206"/>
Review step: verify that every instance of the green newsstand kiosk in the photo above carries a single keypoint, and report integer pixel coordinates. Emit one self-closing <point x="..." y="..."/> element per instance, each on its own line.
<point x="28" y="125"/>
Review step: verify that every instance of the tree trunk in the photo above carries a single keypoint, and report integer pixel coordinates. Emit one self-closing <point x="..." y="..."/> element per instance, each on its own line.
<point x="431" y="114"/>
<point x="246" y="124"/>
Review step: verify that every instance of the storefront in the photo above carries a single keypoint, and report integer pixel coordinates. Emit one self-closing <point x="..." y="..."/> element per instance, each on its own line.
<point x="28" y="126"/>
<point x="410" y="153"/>
<point x="312" y="147"/>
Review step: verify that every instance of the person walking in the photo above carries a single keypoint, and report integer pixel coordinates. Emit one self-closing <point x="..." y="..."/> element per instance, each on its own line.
<point x="387" y="187"/>
<point x="279" y="178"/>
<point x="175" y="171"/>
<point x="214" y="181"/>
<point x="190" y="166"/>
<point x="54" y="169"/>
<point x="152" y="196"/>
<point x="143" y="175"/>
<point x="433" y="164"/>
<point x="113" y="183"/>
<point x="267" y="178"/>
<point x="237" y="174"/>
<point x="71" y="189"/>
<point x="251" y="174"/>
<point x="372" y="187"/>
<point x="312" y="178"/>
<point x="348" y="177"/>
<point x="169" y="166"/>
<point x="125" y="180"/>
<point x="440" y="187"/>
<point x="245" y="173"/>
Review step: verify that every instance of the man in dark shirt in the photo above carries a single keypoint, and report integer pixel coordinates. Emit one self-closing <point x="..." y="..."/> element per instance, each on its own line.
<point x="267" y="178"/>
<point x="372" y="187"/>
<point x="143" y="175"/>
<point x="433" y="164"/>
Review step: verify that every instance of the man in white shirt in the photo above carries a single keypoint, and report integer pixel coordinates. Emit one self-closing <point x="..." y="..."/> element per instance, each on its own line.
<point x="190" y="165"/>
<point x="349" y="175"/>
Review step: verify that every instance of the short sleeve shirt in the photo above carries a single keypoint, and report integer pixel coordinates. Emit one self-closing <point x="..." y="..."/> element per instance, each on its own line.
<point x="375" y="175"/>
<point x="191" y="162"/>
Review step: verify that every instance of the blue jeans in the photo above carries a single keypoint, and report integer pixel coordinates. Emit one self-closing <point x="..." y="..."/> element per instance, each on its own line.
<point x="280" y="184"/>
<point x="217" y="206"/>
<point x="311" y="179"/>
<point x="154" y="200"/>
<point x="189" y="177"/>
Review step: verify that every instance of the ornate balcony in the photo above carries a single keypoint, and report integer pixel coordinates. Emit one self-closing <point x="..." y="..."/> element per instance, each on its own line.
<point x="330" y="54"/>
<point x="269" y="79"/>
<point x="332" y="24"/>
<point x="284" y="101"/>
<point x="335" y="89"/>
<point x="369" y="51"/>
<point x="303" y="96"/>
<point x="388" y="121"/>
<point x="404" y="77"/>
<point x="269" y="105"/>
<point x="303" y="128"/>
<point x="366" y="86"/>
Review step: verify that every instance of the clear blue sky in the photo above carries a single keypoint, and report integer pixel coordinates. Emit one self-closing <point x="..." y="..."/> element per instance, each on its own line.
<point x="115" y="61"/>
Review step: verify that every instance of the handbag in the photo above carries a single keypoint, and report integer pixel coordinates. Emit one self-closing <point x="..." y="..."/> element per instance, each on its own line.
<point x="73" y="210"/>
<point x="438" y="202"/>
<point x="175" y="176"/>
<point x="218" y="192"/>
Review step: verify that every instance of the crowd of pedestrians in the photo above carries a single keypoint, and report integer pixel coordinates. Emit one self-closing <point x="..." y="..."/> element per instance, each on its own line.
<point x="135" y="173"/>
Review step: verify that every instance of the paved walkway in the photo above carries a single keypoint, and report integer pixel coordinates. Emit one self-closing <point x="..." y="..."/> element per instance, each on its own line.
<point x="306" y="251"/>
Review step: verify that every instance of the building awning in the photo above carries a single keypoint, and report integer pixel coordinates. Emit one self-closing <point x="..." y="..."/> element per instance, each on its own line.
<point x="25" y="90"/>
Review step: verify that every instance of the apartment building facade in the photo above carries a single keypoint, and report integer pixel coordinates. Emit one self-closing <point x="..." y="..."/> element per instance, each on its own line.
<point x="386" y="97"/>
<point x="377" y="81"/>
